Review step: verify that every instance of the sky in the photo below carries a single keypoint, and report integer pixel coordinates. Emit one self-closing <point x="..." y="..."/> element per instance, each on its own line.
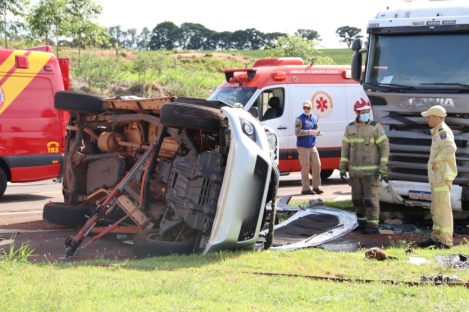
<point x="286" y="16"/>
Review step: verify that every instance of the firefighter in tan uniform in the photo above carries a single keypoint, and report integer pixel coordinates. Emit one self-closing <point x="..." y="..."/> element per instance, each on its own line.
<point x="365" y="153"/>
<point x="442" y="170"/>
<point x="306" y="130"/>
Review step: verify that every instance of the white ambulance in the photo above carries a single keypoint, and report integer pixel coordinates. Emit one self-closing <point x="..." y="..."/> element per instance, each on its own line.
<point x="277" y="87"/>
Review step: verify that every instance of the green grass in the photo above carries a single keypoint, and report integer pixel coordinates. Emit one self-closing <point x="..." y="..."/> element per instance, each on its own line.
<point x="225" y="281"/>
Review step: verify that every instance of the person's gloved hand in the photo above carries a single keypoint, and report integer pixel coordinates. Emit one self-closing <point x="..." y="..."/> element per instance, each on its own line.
<point x="383" y="173"/>
<point x="343" y="173"/>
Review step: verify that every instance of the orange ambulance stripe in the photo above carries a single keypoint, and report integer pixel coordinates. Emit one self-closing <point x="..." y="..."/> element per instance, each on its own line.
<point x="13" y="86"/>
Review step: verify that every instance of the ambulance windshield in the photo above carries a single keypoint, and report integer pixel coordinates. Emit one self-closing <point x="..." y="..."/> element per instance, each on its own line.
<point x="232" y="95"/>
<point x="425" y="62"/>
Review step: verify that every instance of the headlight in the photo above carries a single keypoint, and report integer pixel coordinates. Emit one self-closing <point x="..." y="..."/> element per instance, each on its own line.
<point x="272" y="140"/>
<point x="248" y="129"/>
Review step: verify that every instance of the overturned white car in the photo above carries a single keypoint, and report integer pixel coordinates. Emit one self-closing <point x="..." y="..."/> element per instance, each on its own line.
<point x="193" y="175"/>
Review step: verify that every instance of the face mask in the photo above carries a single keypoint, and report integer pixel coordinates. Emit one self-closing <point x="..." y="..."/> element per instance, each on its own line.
<point x="364" y="117"/>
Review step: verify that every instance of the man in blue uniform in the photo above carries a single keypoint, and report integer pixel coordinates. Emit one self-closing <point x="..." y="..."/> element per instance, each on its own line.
<point x="306" y="131"/>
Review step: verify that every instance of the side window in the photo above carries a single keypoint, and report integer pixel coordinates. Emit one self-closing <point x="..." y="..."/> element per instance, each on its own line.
<point x="271" y="104"/>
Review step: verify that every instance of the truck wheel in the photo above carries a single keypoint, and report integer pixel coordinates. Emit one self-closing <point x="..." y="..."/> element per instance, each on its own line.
<point x="183" y="115"/>
<point x="325" y="174"/>
<point x="3" y="182"/>
<point x="78" y="102"/>
<point x="149" y="245"/>
<point x="65" y="214"/>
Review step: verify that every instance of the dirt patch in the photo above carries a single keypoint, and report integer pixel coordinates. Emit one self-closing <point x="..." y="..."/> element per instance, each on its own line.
<point x="219" y="56"/>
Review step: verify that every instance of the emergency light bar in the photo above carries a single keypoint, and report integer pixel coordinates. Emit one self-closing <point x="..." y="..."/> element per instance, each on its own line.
<point x="239" y="75"/>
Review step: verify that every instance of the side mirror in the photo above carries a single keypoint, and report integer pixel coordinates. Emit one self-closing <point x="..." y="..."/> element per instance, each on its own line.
<point x="356" y="45"/>
<point x="254" y="111"/>
<point x="357" y="66"/>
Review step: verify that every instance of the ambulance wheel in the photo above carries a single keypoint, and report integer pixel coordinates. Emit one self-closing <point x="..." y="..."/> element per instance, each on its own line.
<point x="325" y="174"/>
<point x="64" y="214"/>
<point x="183" y="115"/>
<point x="3" y="182"/>
<point x="78" y="102"/>
<point x="149" y="245"/>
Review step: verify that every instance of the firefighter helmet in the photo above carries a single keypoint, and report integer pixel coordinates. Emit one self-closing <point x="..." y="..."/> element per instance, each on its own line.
<point x="361" y="104"/>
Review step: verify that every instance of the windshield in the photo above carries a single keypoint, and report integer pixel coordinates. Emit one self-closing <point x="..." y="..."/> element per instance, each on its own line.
<point x="232" y="95"/>
<point x="435" y="61"/>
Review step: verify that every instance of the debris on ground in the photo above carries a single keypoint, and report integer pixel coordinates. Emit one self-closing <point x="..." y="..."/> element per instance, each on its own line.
<point x="418" y="260"/>
<point x="376" y="253"/>
<point x="458" y="261"/>
<point x="439" y="279"/>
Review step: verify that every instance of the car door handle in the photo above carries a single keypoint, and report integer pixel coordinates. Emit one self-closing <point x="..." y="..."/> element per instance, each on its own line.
<point x="282" y="128"/>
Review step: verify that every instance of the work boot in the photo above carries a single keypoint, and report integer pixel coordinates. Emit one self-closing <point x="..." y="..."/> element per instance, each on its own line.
<point x="307" y="192"/>
<point x="426" y="243"/>
<point x="368" y="230"/>
<point x="318" y="191"/>
<point x="440" y="245"/>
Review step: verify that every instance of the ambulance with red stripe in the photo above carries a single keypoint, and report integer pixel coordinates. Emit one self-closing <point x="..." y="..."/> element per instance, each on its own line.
<point x="275" y="89"/>
<point x="32" y="131"/>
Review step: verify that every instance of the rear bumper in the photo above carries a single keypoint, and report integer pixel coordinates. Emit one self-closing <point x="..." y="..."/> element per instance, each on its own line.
<point x="415" y="194"/>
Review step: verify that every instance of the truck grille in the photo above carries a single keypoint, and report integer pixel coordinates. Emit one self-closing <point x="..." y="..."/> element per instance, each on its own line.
<point x="410" y="141"/>
<point x="248" y="227"/>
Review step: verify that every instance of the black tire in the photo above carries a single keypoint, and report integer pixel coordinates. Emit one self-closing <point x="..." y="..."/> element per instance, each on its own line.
<point x="145" y="245"/>
<point x="183" y="115"/>
<point x="3" y="182"/>
<point x="64" y="214"/>
<point x="325" y="174"/>
<point x="78" y="102"/>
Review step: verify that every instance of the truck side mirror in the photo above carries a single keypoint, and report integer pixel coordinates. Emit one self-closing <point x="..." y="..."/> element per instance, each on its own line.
<point x="357" y="59"/>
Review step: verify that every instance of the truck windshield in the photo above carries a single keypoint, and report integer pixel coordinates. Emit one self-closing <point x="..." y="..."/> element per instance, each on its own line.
<point x="422" y="62"/>
<point x="233" y="95"/>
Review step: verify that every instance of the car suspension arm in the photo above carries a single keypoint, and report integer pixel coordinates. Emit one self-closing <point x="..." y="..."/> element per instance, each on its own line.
<point x="74" y="242"/>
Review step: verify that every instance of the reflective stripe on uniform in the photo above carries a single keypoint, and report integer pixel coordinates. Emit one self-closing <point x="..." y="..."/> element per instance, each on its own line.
<point x="343" y="159"/>
<point x="441" y="229"/>
<point x="359" y="168"/>
<point x="345" y="139"/>
<point x="374" y="222"/>
<point x="384" y="159"/>
<point x="441" y="189"/>
<point x="381" y="139"/>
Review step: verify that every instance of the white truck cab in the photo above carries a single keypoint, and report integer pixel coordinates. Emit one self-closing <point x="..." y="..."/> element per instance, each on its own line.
<point x="417" y="57"/>
<point x="275" y="89"/>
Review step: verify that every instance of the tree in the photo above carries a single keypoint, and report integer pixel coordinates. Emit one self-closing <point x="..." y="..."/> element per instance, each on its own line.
<point x="309" y="34"/>
<point x="81" y="15"/>
<point x="255" y="38"/>
<point x="143" y="40"/>
<point x="271" y="39"/>
<point x="348" y="33"/>
<point x="48" y="18"/>
<point x="8" y="24"/>
<point x="296" y="46"/>
<point x="165" y="36"/>
<point x="193" y="36"/>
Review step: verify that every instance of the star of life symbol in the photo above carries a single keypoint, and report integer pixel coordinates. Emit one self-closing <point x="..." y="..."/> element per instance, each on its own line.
<point x="322" y="104"/>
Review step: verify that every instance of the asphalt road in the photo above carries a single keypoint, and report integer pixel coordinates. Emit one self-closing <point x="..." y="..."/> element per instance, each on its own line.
<point x="23" y="202"/>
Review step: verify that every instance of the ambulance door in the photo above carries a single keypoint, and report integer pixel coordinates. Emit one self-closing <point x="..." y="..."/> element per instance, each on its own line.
<point x="273" y="112"/>
<point x="330" y="110"/>
<point x="353" y="93"/>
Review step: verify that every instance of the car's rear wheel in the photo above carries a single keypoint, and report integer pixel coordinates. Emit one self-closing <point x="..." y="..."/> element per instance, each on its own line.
<point x="325" y="174"/>
<point x="65" y="214"/>
<point x="3" y="182"/>
<point x="182" y="115"/>
<point x="150" y="245"/>
<point x="78" y="102"/>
